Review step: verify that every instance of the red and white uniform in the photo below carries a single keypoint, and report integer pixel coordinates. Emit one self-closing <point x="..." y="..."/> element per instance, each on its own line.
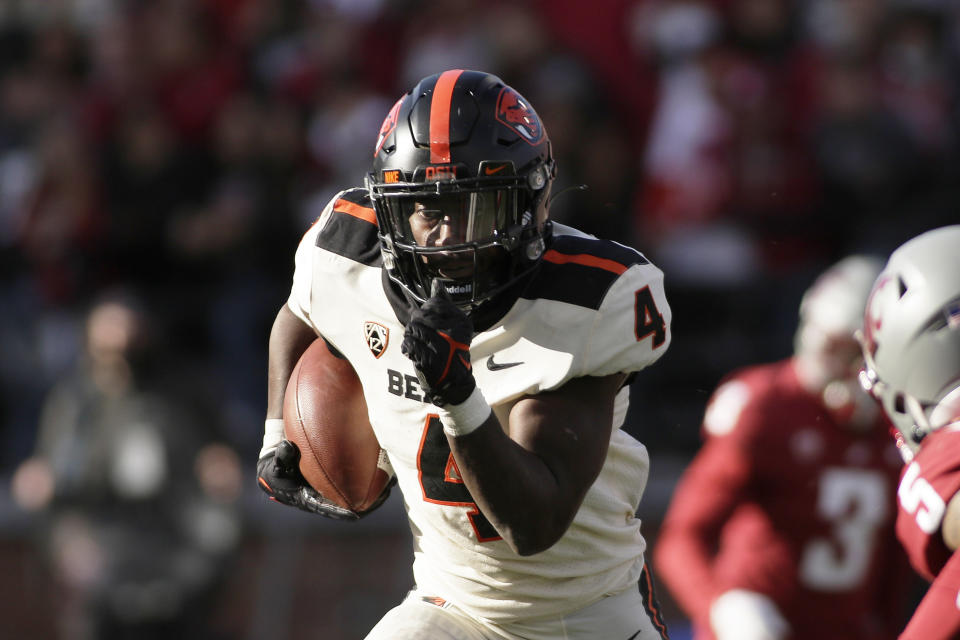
<point x="784" y="502"/>
<point x="929" y="481"/>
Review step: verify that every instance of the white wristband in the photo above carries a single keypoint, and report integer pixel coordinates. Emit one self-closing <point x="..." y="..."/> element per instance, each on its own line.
<point x="466" y="417"/>
<point x="272" y="435"/>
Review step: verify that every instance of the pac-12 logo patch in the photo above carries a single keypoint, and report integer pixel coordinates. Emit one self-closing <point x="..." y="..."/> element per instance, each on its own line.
<point x="377" y="337"/>
<point x="514" y="112"/>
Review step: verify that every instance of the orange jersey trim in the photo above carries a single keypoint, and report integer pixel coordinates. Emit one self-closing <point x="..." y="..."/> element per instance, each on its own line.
<point x="440" y="116"/>
<point x="355" y="210"/>
<point x="651" y="604"/>
<point x="587" y="260"/>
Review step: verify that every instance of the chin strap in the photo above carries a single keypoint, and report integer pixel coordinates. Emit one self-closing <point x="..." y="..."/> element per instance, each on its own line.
<point x="947" y="410"/>
<point x="921" y="424"/>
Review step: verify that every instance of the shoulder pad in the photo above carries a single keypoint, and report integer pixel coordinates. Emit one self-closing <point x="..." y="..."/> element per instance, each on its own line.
<point x="351" y="231"/>
<point x="580" y="270"/>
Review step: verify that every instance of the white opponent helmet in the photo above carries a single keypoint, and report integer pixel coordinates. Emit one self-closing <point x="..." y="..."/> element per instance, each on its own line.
<point x="834" y="304"/>
<point x="911" y="335"/>
<point x="827" y="355"/>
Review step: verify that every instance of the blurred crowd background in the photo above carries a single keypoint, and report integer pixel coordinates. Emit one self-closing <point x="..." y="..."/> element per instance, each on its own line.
<point x="159" y="160"/>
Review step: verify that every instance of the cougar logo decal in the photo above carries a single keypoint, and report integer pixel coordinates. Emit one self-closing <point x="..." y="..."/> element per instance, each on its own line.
<point x="389" y="124"/>
<point x="872" y="321"/>
<point x="515" y="113"/>
<point x="377" y="337"/>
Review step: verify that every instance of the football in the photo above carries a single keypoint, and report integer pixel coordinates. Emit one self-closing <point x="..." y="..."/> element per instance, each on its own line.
<point x="325" y="415"/>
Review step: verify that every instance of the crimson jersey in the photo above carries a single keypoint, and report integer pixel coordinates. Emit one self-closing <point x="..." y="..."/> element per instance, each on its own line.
<point x="782" y="501"/>
<point x="929" y="481"/>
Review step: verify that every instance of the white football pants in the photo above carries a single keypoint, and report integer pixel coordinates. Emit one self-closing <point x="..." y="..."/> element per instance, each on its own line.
<point x="624" y="616"/>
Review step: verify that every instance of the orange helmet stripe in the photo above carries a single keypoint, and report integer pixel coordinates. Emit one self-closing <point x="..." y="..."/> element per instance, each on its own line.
<point x="440" y="116"/>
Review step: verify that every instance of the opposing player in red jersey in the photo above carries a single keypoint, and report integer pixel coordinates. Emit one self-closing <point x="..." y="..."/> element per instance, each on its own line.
<point x="782" y="525"/>
<point x="911" y="346"/>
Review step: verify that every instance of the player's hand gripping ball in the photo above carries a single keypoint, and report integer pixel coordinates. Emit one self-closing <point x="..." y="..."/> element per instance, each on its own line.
<point x="437" y="340"/>
<point x="329" y="461"/>
<point x="279" y="476"/>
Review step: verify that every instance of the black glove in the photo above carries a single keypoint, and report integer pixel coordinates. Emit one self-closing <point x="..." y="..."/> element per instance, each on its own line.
<point x="278" y="474"/>
<point x="437" y="340"/>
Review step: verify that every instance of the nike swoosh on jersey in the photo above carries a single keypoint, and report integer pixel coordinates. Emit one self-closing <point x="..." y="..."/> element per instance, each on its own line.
<point x="497" y="366"/>
<point x="492" y="170"/>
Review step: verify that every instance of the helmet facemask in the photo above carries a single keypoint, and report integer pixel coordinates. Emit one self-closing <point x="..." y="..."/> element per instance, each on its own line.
<point x="477" y="236"/>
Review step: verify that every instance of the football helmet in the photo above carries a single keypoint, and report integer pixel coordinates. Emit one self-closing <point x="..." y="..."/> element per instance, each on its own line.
<point x="826" y="351"/>
<point x="461" y="178"/>
<point x="911" y="335"/>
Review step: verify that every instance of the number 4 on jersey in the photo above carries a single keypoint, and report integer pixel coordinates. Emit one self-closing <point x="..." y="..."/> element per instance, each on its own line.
<point x="649" y="320"/>
<point x="440" y="479"/>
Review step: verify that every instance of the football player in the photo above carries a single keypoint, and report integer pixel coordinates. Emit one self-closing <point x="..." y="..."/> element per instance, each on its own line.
<point x="911" y="346"/>
<point x="782" y="525"/>
<point x="495" y="348"/>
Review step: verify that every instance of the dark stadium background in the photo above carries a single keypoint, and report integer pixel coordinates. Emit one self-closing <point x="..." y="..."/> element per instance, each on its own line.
<point x="177" y="149"/>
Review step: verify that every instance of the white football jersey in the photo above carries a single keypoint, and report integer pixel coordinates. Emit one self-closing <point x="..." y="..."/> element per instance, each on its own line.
<point x="594" y="308"/>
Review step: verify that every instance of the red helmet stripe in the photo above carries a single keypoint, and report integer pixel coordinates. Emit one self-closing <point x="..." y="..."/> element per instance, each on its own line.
<point x="440" y="116"/>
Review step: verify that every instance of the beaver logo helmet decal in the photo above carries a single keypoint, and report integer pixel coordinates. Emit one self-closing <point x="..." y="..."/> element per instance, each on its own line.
<point x="514" y="112"/>
<point x="389" y="124"/>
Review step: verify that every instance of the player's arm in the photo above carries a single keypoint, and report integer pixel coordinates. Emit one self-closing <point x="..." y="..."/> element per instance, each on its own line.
<point x="715" y="482"/>
<point x="950" y="526"/>
<point x="720" y="478"/>
<point x="278" y="470"/>
<point x="892" y="602"/>
<point x="278" y="465"/>
<point x="529" y="478"/>
<point x="289" y="338"/>
<point x="937" y="617"/>
<point x="530" y="481"/>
